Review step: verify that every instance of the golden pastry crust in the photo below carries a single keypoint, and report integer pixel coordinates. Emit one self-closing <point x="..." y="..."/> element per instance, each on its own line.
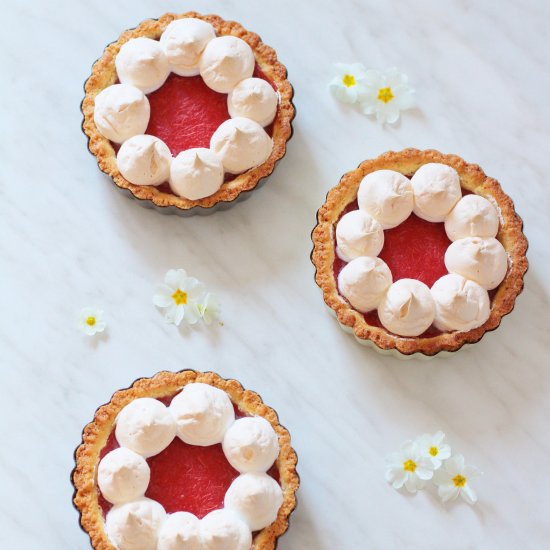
<point x="104" y="75"/>
<point x="96" y="433"/>
<point x="472" y="178"/>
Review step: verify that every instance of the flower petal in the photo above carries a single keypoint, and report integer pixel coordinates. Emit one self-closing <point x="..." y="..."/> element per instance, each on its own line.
<point x="424" y="473"/>
<point x="178" y="315"/>
<point x="392" y="114"/>
<point x="405" y="98"/>
<point x="444" y="452"/>
<point x="343" y="93"/>
<point x="173" y="277"/>
<point x="411" y="483"/>
<point x="468" y="494"/>
<point x="163" y="296"/>
<point x="447" y="492"/>
<point x="394" y="77"/>
<point x="191" y="313"/>
<point x="398" y="479"/>
<point x="455" y="465"/>
<point x="409" y="449"/>
<point x="395" y="473"/>
<point x="210" y="309"/>
<point x="195" y="290"/>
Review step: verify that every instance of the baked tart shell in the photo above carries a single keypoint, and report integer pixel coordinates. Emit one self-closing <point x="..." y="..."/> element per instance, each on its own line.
<point x="104" y="75"/>
<point x="472" y="178"/>
<point x="96" y="434"/>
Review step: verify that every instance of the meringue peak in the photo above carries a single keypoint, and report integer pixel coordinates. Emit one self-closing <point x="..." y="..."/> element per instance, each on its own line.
<point x="253" y="98"/>
<point x="407" y="308"/>
<point x="387" y="196"/>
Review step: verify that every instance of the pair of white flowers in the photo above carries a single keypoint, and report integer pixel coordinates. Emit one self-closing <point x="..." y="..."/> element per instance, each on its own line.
<point x="184" y="298"/>
<point x="181" y="298"/>
<point x="381" y="93"/>
<point x="428" y="458"/>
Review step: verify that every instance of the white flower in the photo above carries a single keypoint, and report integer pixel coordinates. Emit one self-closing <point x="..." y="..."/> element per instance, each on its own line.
<point x="347" y="85"/>
<point x="385" y="94"/>
<point x="453" y="479"/>
<point x="91" y="321"/>
<point x="179" y="297"/>
<point x="209" y="309"/>
<point x="434" y="448"/>
<point x="409" y="468"/>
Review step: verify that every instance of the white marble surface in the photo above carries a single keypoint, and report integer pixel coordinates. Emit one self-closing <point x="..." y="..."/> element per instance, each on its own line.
<point x="67" y="240"/>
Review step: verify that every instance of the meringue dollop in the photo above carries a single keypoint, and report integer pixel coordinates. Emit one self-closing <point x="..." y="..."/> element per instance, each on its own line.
<point x="224" y="530"/>
<point x="358" y="234"/>
<point x="145" y="426"/>
<point x="436" y="189"/>
<point x="183" y="42"/>
<point x="408" y="308"/>
<point x="364" y="281"/>
<point x="196" y="173"/>
<point x="482" y="260"/>
<point x="253" y="98"/>
<point x="251" y="444"/>
<point x="460" y="304"/>
<point x="387" y="196"/>
<point x="226" y="61"/>
<point x="122" y="476"/>
<point x="144" y="160"/>
<point x="121" y="111"/>
<point x="202" y="414"/>
<point x="473" y="216"/>
<point x="180" y="531"/>
<point x="241" y="144"/>
<point x="135" y="525"/>
<point x="142" y="63"/>
<point x="256" y="497"/>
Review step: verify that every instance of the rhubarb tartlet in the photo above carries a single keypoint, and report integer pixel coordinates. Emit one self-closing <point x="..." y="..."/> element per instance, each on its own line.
<point x="418" y="253"/>
<point x="188" y="112"/>
<point x="185" y="460"/>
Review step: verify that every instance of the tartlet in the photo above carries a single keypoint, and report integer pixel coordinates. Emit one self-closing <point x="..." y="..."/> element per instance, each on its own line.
<point x="98" y="439"/>
<point x="268" y="67"/>
<point x="365" y="327"/>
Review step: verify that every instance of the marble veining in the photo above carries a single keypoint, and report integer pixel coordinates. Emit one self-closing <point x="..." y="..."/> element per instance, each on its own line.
<point x="67" y="240"/>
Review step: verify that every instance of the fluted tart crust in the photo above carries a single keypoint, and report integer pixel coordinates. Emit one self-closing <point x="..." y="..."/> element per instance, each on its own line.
<point x="473" y="179"/>
<point x="97" y="432"/>
<point x="104" y="75"/>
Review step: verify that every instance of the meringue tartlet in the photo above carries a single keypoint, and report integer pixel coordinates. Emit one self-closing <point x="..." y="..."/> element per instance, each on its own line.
<point x="190" y="82"/>
<point x="186" y="460"/>
<point x="448" y="267"/>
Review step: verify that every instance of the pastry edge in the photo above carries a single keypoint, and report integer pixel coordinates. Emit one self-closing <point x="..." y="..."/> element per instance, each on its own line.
<point x="473" y="178"/>
<point x="96" y="433"/>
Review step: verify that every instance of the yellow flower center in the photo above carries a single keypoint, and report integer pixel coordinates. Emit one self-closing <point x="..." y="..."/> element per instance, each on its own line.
<point x="91" y="321"/>
<point x="385" y="95"/>
<point x="434" y="451"/>
<point x="409" y="465"/>
<point x="459" y="480"/>
<point x="349" y="80"/>
<point x="180" y="297"/>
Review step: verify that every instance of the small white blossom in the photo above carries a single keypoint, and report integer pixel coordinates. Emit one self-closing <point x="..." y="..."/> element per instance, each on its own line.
<point x="408" y="468"/>
<point x="385" y="94"/>
<point x="179" y="297"/>
<point x="91" y="321"/>
<point x="347" y="85"/>
<point x="453" y="479"/>
<point x="209" y="309"/>
<point x="434" y="447"/>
